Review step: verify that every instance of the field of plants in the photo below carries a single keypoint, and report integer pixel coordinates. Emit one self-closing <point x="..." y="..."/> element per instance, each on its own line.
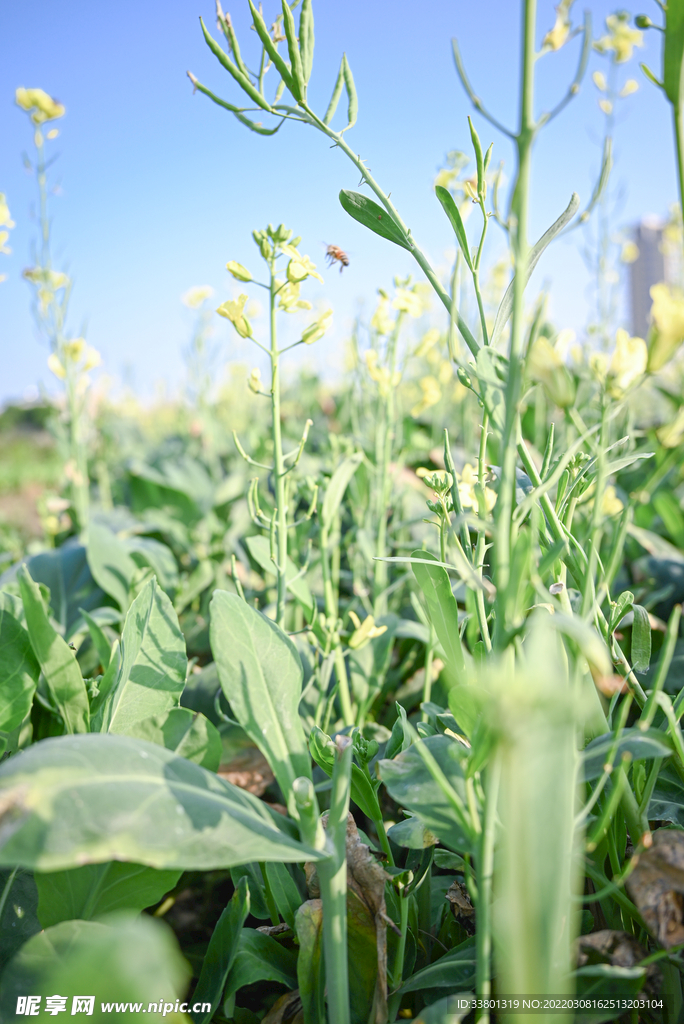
<point x="356" y="700"/>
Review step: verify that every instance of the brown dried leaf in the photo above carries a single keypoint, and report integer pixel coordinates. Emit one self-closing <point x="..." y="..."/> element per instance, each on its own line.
<point x="275" y="930"/>
<point x="286" y="1010"/>
<point x="657" y="886"/>
<point x="249" y="770"/>
<point x="461" y="907"/>
<point x="617" y="949"/>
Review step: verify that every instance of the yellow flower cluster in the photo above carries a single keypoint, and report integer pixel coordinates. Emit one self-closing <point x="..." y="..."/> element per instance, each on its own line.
<point x="431" y="393"/>
<point x="234" y="311"/>
<point x="468" y="486"/>
<point x="197" y="296"/>
<point x="380" y="374"/>
<point x="75" y="356"/>
<point x="621" y="38"/>
<point x="667" y="330"/>
<point x="560" y="32"/>
<point x="39" y="105"/>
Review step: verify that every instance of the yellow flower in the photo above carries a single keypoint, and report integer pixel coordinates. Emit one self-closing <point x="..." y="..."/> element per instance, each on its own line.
<point x="39" y="105"/>
<point x="381" y="321"/>
<point x="630" y="86"/>
<point x="599" y="80"/>
<point x="288" y="298"/>
<point x="238" y="271"/>
<point x="564" y="341"/>
<point x="558" y="35"/>
<point x="629" y="252"/>
<point x="470" y="186"/>
<point x="4" y="235"/>
<point x="234" y="311"/>
<point x="317" y="329"/>
<point x="467" y="485"/>
<point x="598" y="364"/>
<point x="429" y="339"/>
<point x="5" y="218"/>
<point x="431" y="394"/>
<point x="672" y="434"/>
<point x="92" y="358"/>
<point x="611" y="504"/>
<point x="622" y="38"/>
<point x="299" y="269"/>
<point x="56" y="367"/>
<point x="364" y="631"/>
<point x="254" y="381"/>
<point x="380" y="374"/>
<point x="628" y="362"/>
<point x="667" y="330"/>
<point x="606" y="106"/>
<point x="445" y="372"/>
<point x="194" y="297"/>
<point x="544" y="365"/>
<point x="407" y="301"/>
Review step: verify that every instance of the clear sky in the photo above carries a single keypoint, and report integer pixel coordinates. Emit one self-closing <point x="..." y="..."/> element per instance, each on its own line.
<point x="159" y="187"/>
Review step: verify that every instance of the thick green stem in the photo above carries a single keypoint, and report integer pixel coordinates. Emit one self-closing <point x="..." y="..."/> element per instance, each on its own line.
<point x="384" y="446"/>
<point x="519" y="217"/>
<point x="678" y="114"/>
<point x="398" y="973"/>
<point x="484" y="895"/>
<point x="279" y="469"/>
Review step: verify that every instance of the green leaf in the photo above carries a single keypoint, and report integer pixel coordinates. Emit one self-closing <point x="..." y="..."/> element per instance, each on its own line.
<point x="642" y="746"/>
<point x="410" y="783"/>
<point x="153" y="662"/>
<point x="19" y="672"/>
<point x="18" y="907"/>
<point x="261" y="958"/>
<point x="372" y="216"/>
<point x="603" y="983"/>
<point x="506" y="305"/>
<point x="66" y="573"/>
<point x="99" y="639"/>
<point x="353" y="105"/>
<point x="492" y="374"/>
<point x="673" y="55"/>
<point x="411" y="834"/>
<point x="306" y="38"/>
<point x="57" y="661"/>
<point x="272" y="51"/>
<point x="337" y="486"/>
<point x="261" y="676"/>
<point x="111" y="565"/>
<point x="223" y="947"/>
<point x="442" y="610"/>
<point x="96" y="889"/>
<point x="285" y="892"/>
<point x="641" y="639"/>
<point x="94" y="798"/>
<point x="620" y="609"/>
<point x="309" y="929"/>
<point x="453" y="213"/>
<point x="455" y="970"/>
<point x="445" y="1009"/>
<point x="143" y="965"/>
<point x="260" y="550"/>
<point x="146" y="551"/>
<point x="201" y="577"/>
<point x="651" y="77"/>
<point x="187" y="733"/>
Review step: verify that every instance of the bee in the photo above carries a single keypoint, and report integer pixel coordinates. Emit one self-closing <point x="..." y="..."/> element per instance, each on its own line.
<point x="336" y="255"/>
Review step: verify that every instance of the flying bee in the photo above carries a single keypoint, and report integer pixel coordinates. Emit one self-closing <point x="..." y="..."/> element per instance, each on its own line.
<point x="336" y="255"/>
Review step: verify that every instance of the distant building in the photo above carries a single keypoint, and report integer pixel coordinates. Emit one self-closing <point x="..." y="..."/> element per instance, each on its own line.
<point x="648" y="269"/>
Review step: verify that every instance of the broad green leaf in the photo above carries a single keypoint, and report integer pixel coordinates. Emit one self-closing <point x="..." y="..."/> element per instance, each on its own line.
<point x="411" y="834"/>
<point x="673" y="55"/>
<point x="110" y="563"/>
<point x="187" y="733"/>
<point x="64" y="571"/>
<point x="257" y="892"/>
<point x="153" y="662"/>
<point x="261" y="676"/>
<point x="451" y="1008"/>
<point x="642" y="746"/>
<point x="622" y="606"/>
<point x="641" y="639"/>
<point x="98" y="704"/>
<point x="492" y="375"/>
<point x="100" y="641"/>
<point x="19" y="672"/>
<point x="223" y="947"/>
<point x="160" y="558"/>
<point x="442" y="610"/>
<point x="338" y="484"/>
<point x="506" y="305"/>
<point x="603" y="983"/>
<point x="455" y="970"/>
<point x="260" y="550"/>
<point x="453" y="213"/>
<point x="97" y="889"/>
<point x="18" y="907"/>
<point x="143" y="965"/>
<point x="56" y="659"/>
<point x="87" y="799"/>
<point x="310" y="980"/>
<point x="372" y="216"/>
<point x="285" y="892"/>
<point x="410" y="783"/>
<point x="363" y="938"/>
<point x="261" y="958"/>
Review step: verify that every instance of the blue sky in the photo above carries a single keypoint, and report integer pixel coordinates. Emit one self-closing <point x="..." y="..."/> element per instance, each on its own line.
<point x="159" y="187"/>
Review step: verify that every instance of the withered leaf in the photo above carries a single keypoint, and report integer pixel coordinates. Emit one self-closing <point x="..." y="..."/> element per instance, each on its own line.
<point x="286" y="1010"/>
<point x="657" y="886"/>
<point x="461" y="907"/>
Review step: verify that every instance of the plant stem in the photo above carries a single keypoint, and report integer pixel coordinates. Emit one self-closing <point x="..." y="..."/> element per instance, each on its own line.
<point x="398" y="973"/>
<point x="384" y="445"/>
<point x="519" y="215"/>
<point x="280" y="510"/>
<point x="678" y="114"/>
<point x="484" y="897"/>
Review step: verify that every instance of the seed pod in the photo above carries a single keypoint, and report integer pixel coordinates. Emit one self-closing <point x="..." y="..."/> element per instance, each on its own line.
<point x="242" y="80"/>
<point x="293" y="49"/>
<point x="477" y="146"/>
<point x="269" y="46"/>
<point x="353" y="108"/>
<point x="337" y="92"/>
<point x="306" y="38"/>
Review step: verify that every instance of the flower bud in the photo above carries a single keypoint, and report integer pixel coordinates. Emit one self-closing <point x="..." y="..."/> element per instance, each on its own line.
<point x="238" y="271"/>
<point x="317" y="329"/>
